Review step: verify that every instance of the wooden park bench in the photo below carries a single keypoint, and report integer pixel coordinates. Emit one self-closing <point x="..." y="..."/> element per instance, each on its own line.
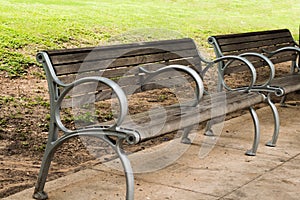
<point x="79" y="78"/>
<point x="278" y="46"/>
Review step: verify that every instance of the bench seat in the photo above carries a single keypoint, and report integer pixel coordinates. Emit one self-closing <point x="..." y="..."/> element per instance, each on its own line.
<point x="289" y="83"/>
<point x="179" y="117"/>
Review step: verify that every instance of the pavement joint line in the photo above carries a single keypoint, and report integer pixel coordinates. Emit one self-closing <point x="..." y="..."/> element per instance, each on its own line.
<point x="179" y="188"/>
<point x="170" y="186"/>
<point x="239" y="149"/>
<point x="220" y="145"/>
<point x="270" y="170"/>
<point x="114" y="172"/>
<point x="236" y="148"/>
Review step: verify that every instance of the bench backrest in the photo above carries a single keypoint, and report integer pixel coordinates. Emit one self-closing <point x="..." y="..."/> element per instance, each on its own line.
<point x="120" y="61"/>
<point x="259" y="42"/>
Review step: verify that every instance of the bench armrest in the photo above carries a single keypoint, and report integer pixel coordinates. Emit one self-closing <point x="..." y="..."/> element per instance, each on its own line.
<point x="120" y="95"/>
<point x="192" y="73"/>
<point x="272" y="53"/>
<point x="278" y="91"/>
<point x="230" y="59"/>
<point x="283" y="49"/>
<point x="265" y="87"/>
<point x="269" y="63"/>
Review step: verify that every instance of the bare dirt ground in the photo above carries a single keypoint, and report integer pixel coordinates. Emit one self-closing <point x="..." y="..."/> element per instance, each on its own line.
<point x="23" y="134"/>
<point x="24" y="105"/>
<point x="24" y="121"/>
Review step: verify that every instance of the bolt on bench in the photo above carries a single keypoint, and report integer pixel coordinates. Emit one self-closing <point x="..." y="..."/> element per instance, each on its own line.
<point x="79" y="78"/>
<point x="278" y="46"/>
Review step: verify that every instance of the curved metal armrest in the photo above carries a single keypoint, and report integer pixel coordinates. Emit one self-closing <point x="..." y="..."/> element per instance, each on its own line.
<point x="272" y="53"/>
<point x="231" y="59"/>
<point x="278" y="91"/>
<point x="188" y="70"/>
<point x="296" y="49"/>
<point x="269" y="63"/>
<point x="114" y="86"/>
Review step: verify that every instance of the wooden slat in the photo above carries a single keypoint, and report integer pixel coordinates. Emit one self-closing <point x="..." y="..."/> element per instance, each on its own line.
<point x="116" y="51"/>
<point x="257" y="44"/>
<point x="251" y="36"/>
<point x="281" y="59"/>
<point x="178" y="117"/>
<point x="131" y="80"/>
<point x="122" y="62"/>
<point x="261" y="50"/>
<point x="121" y="46"/>
<point x="289" y="83"/>
<point x="257" y="63"/>
<point x="129" y="70"/>
<point x="89" y="93"/>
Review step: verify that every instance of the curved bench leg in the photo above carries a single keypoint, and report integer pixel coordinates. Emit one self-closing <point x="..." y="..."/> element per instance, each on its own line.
<point x="185" y="139"/>
<point x="282" y="101"/>
<point x="51" y="146"/>
<point x="252" y="152"/>
<point x="210" y="123"/>
<point x="127" y="170"/>
<point x="39" y="192"/>
<point x="272" y="143"/>
<point x="208" y="129"/>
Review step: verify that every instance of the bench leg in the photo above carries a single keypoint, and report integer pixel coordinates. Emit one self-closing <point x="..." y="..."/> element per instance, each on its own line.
<point x="185" y="139"/>
<point x="282" y="101"/>
<point x="127" y="170"/>
<point x="39" y="192"/>
<point x="210" y="123"/>
<point x="252" y="152"/>
<point x="208" y="129"/>
<point x="272" y="143"/>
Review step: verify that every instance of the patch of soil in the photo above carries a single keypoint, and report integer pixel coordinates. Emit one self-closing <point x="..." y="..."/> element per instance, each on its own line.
<point x="24" y="121"/>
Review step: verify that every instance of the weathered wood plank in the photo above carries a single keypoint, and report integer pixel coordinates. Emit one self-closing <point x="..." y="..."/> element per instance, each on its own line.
<point x="91" y="92"/>
<point x="75" y="67"/>
<point x="252" y="36"/>
<point x="118" y="51"/>
<point x="262" y="44"/>
<point x="129" y="70"/>
<point x="176" y="118"/>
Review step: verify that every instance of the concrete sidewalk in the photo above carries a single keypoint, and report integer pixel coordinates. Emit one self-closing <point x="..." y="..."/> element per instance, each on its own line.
<point x="204" y="171"/>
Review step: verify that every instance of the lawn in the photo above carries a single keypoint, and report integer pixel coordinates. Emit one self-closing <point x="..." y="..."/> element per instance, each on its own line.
<point x="29" y="26"/>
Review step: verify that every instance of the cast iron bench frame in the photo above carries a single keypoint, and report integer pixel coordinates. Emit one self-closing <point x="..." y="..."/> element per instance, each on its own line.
<point x="168" y="55"/>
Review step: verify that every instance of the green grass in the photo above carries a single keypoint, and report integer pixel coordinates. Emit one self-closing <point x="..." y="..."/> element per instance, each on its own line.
<point x="31" y="25"/>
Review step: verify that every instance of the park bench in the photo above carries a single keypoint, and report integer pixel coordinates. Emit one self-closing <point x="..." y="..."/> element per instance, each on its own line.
<point x="79" y="78"/>
<point x="278" y="46"/>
